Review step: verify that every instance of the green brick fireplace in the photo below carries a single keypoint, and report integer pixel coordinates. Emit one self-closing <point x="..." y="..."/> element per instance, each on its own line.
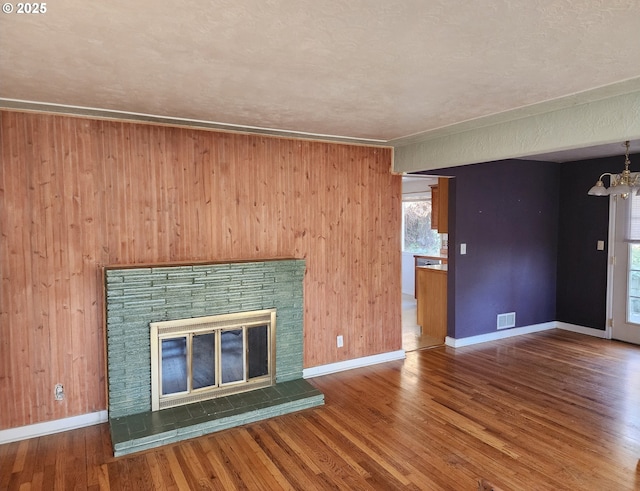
<point x="138" y="295"/>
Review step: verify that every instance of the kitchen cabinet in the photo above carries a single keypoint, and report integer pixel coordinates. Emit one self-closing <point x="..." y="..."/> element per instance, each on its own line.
<point x="440" y="206"/>
<point x="432" y="300"/>
<point x="435" y="205"/>
<point x="420" y="260"/>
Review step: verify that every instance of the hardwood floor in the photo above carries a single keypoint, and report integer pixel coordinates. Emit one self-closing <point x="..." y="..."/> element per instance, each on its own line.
<point x="547" y="411"/>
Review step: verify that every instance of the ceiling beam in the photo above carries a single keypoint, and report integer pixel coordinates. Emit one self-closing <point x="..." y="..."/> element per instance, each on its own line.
<point x="609" y="120"/>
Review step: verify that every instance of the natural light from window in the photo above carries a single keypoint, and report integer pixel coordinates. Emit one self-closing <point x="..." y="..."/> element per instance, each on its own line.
<point x="633" y="299"/>
<point x="417" y="235"/>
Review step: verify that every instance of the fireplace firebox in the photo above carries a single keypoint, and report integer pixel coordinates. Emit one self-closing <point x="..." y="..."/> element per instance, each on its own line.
<point x="201" y="358"/>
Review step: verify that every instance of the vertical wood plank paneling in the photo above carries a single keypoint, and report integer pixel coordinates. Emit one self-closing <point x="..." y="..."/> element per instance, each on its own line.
<point x="5" y="334"/>
<point x="71" y="247"/>
<point x="40" y="354"/>
<point x="24" y="274"/>
<point x="77" y="194"/>
<point x="47" y="225"/>
<point x="13" y="308"/>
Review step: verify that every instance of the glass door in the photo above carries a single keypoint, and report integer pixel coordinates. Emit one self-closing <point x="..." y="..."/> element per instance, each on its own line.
<point x="625" y="305"/>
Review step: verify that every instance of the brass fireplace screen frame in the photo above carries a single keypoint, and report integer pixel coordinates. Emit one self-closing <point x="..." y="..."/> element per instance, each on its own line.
<point x="217" y="324"/>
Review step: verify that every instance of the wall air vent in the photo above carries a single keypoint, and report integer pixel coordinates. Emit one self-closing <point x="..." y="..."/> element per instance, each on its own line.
<point x="506" y="320"/>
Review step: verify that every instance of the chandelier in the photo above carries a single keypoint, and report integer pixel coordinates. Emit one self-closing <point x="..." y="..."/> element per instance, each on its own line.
<point x="619" y="184"/>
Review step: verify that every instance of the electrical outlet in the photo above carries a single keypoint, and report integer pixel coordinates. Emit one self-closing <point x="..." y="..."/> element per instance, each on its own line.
<point x="340" y="341"/>
<point x="58" y="392"/>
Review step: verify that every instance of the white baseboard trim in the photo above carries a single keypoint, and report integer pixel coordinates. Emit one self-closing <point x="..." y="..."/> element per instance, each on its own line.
<point x="494" y="336"/>
<point x="51" y="427"/>
<point x="589" y="331"/>
<point x="354" y="363"/>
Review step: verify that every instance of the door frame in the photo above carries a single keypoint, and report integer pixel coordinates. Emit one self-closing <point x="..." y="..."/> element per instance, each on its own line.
<point x="611" y="249"/>
<point x="612" y="262"/>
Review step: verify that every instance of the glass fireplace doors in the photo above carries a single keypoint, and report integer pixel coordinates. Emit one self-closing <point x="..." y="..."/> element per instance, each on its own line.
<point x="202" y="358"/>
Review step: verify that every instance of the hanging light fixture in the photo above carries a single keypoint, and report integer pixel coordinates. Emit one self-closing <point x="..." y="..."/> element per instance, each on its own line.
<point x="621" y="184"/>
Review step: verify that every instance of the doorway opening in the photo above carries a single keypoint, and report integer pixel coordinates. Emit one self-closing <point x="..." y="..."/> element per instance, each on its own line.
<point x="424" y="243"/>
<point x="623" y="302"/>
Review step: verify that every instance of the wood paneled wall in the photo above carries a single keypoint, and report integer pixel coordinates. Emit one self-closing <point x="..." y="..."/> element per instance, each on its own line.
<point x="77" y="194"/>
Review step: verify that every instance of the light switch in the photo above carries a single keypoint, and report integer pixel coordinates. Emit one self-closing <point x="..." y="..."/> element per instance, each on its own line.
<point x="463" y="248"/>
<point x="601" y="245"/>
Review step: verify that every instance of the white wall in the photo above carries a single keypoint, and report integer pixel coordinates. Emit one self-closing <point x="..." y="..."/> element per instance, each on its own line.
<point x="408" y="273"/>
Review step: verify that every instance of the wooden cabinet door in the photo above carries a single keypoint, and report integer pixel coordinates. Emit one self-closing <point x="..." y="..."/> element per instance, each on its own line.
<point x="435" y="201"/>
<point x="432" y="302"/>
<point x="443" y="205"/>
<point x="440" y="206"/>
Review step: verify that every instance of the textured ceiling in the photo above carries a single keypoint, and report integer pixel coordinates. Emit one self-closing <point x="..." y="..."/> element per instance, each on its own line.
<point x="377" y="70"/>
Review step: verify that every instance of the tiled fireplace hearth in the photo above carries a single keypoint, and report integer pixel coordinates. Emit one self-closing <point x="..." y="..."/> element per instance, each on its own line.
<point x="139" y="295"/>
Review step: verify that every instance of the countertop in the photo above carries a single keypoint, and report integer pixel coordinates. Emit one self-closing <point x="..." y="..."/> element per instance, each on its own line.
<point x="435" y="267"/>
<point x="420" y="256"/>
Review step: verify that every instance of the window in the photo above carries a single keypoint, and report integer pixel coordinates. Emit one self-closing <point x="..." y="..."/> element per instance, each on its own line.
<point x="633" y="298"/>
<point x="417" y="235"/>
<point x="632" y="236"/>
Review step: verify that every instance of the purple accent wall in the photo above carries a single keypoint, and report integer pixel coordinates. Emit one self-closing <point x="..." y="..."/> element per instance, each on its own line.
<point x="583" y="220"/>
<point x="507" y="214"/>
<point x="531" y="247"/>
